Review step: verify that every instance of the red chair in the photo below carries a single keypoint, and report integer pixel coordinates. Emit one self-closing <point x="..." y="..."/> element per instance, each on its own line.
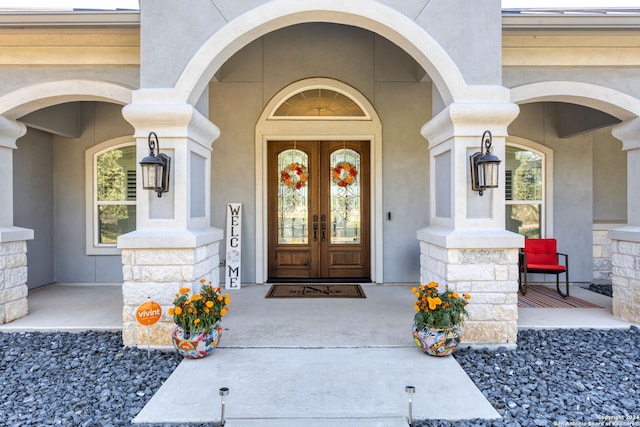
<point x="541" y="256"/>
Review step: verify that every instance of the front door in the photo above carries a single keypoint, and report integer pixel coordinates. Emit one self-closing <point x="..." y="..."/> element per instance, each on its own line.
<point x="318" y="210"/>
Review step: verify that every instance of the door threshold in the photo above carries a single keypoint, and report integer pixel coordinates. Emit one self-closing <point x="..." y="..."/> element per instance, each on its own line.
<point x="322" y="280"/>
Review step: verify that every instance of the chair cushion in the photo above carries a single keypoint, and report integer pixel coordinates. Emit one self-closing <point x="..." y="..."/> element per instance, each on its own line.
<point x="546" y="267"/>
<point x="541" y="252"/>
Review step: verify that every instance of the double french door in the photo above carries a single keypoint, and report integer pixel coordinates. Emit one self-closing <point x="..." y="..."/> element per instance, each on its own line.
<point x="318" y="210"/>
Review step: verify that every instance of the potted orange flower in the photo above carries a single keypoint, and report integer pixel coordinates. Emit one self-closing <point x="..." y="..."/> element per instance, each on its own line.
<point x="438" y="318"/>
<point x="198" y="317"/>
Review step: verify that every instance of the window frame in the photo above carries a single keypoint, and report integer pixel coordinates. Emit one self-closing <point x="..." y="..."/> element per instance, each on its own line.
<point x="546" y="155"/>
<point x="92" y="247"/>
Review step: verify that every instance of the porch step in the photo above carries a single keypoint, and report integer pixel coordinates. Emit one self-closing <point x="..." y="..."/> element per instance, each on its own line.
<point x="326" y="422"/>
<point x="316" y="387"/>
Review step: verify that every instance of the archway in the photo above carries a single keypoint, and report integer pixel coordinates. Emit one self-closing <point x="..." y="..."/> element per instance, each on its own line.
<point x="610" y="101"/>
<point x="31" y="98"/>
<point x="366" y="14"/>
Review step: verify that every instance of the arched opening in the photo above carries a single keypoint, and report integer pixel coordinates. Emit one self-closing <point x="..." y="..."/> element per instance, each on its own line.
<point x="575" y="121"/>
<point x="63" y="119"/>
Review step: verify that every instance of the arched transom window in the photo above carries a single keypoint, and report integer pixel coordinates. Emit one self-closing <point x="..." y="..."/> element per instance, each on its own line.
<point x="319" y="103"/>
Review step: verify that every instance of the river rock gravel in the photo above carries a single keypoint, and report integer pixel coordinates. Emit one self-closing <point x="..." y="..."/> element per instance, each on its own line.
<point x="554" y="378"/>
<point x="559" y="378"/>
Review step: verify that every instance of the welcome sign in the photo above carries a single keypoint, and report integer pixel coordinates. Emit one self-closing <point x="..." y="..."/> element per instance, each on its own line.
<point x="234" y="247"/>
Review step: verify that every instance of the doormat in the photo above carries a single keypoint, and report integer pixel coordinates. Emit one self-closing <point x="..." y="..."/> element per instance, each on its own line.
<point x="315" y="291"/>
<point x="539" y="296"/>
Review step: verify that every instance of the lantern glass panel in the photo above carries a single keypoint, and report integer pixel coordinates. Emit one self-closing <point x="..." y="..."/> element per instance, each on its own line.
<point x="151" y="176"/>
<point x="490" y="175"/>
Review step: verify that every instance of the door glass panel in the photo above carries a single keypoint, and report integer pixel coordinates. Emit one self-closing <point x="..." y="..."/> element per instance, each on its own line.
<point x="345" y="199"/>
<point x="293" y="197"/>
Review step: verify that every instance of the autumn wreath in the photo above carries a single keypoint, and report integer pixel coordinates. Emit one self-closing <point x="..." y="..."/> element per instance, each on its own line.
<point x="344" y="174"/>
<point x="294" y="176"/>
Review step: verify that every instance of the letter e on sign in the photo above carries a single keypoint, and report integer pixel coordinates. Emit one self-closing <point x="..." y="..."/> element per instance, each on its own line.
<point x="148" y="313"/>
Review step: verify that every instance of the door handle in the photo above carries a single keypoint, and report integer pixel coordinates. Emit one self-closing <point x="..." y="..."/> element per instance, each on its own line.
<point x="315" y="231"/>
<point x="324" y="231"/>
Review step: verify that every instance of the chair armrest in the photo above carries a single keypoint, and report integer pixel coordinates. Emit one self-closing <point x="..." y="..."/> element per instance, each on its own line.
<point x="522" y="260"/>
<point x="566" y="258"/>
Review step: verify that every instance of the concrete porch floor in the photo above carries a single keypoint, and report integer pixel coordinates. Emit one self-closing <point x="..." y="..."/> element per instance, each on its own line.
<point x="313" y="361"/>
<point x="82" y="306"/>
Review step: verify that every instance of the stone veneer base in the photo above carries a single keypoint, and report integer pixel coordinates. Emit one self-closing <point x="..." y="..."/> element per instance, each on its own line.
<point x="157" y="275"/>
<point x="490" y="276"/>
<point x="13" y="281"/>
<point x="625" y="260"/>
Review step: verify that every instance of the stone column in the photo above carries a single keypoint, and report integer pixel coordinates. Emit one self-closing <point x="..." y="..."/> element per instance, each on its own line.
<point x="13" y="245"/>
<point x="174" y="245"/>
<point x="625" y="240"/>
<point x="466" y="245"/>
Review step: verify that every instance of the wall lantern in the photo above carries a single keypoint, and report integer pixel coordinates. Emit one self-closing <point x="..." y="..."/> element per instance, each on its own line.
<point x="484" y="167"/>
<point x="155" y="169"/>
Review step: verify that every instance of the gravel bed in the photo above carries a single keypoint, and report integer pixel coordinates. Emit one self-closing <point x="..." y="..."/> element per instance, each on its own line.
<point x="554" y="378"/>
<point x="559" y="378"/>
<point x="77" y="379"/>
<point x="604" y="289"/>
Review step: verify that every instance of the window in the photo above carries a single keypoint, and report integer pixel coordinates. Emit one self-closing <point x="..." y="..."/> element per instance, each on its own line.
<point x="319" y="103"/>
<point x="112" y="195"/>
<point x="524" y="191"/>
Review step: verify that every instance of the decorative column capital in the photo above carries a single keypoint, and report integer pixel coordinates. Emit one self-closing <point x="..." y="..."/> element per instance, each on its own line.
<point x="171" y="121"/>
<point x="629" y="133"/>
<point x="469" y="120"/>
<point x="10" y="131"/>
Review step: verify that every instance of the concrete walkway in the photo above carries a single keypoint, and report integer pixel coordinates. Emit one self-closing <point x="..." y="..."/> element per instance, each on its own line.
<point x="317" y="362"/>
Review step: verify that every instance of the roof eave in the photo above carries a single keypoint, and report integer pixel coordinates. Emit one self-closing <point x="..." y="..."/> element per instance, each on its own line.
<point x="120" y="18"/>
<point x="580" y="22"/>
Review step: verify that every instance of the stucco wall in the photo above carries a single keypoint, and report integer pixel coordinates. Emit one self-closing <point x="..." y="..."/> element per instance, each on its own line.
<point x="470" y="30"/>
<point x="609" y="178"/>
<point x="14" y="78"/>
<point x="33" y="202"/>
<point x="386" y="75"/>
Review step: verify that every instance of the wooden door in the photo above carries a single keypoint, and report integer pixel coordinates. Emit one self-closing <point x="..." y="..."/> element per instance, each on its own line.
<point x="318" y="210"/>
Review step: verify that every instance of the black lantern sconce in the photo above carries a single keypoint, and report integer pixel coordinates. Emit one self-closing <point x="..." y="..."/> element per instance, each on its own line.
<point x="484" y="167"/>
<point x="155" y="169"/>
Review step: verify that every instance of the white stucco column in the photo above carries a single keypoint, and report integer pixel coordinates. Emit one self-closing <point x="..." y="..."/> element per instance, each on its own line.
<point x="466" y="246"/>
<point x="174" y="244"/>
<point x="625" y="241"/>
<point x="13" y="245"/>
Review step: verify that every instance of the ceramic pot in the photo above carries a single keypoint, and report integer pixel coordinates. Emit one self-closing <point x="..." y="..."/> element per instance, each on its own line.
<point x="195" y="345"/>
<point x="437" y="341"/>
